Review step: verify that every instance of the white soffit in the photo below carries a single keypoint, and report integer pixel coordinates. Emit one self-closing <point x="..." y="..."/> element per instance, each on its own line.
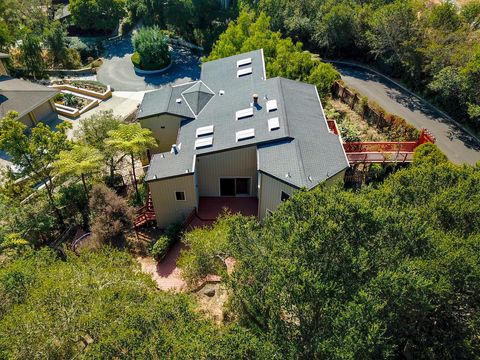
<point x="243" y="72"/>
<point x="244" y="134"/>
<point x="241" y="114"/>
<point x="271" y="105"/>
<point x="204" y="130"/>
<point x="203" y="142"/>
<point x="244" y="62"/>
<point x="273" y="124"/>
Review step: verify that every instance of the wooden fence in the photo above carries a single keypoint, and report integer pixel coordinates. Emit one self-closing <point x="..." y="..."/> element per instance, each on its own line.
<point x="394" y="126"/>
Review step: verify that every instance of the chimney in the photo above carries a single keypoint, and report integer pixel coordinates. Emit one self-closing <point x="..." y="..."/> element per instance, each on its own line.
<point x="255" y="99"/>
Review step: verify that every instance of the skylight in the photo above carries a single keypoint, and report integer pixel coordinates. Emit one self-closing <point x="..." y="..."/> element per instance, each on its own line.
<point x="241" y="114"/>
<point x="243" y="62"/>
<point x="243" y="72"/>
<point x="205" y="130"/>
<point x="271" y="105"/>
<point x="203" y="142"/>
<point x="273" y="124"/>
<point x="244" y="134"/>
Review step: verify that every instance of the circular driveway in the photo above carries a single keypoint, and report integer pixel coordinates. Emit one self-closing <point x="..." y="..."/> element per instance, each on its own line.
<point x="118" y="72"/>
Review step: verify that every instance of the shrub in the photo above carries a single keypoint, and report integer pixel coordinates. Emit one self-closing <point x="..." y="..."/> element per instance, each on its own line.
<point x="70" y="99"/>
<point x="151" y="45"/>
<point x="160" y="248"/>
<point x="323" y="76"/>
<point x="110" y="215"/>
<point x="72" y="59"/>
<point x="429" y="154"/>
<point x="58" y="97"/>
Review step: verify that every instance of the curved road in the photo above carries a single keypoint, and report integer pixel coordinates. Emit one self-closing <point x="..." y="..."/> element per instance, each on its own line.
<point x="457" y="144"/>
<point x="117" y="69"/>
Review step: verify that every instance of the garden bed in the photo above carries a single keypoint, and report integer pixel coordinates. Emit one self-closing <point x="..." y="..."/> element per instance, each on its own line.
<point x="89" y="88"/>
<point x="73" y="105"/>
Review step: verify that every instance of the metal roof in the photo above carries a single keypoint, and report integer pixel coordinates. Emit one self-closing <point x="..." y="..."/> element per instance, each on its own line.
<point x="300" y="151"/>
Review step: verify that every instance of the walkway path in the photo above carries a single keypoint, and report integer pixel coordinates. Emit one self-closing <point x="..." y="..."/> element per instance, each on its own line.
<point x="117" y="69"/>
<point x="457" y="144"/>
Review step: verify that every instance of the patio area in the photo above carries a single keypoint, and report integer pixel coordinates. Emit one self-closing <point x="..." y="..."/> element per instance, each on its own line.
<point x="209" y="208"/>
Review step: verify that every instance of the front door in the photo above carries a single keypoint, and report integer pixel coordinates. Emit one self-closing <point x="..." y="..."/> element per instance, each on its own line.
<point x="227" y="187"/>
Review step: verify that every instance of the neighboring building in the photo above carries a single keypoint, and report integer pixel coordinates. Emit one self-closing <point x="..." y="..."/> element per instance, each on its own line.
<point x="33" y="102"/>
<point x="217" y="137"/>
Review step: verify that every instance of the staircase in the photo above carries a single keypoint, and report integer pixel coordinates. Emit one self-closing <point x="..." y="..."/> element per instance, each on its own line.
<point x="146" y="214"/>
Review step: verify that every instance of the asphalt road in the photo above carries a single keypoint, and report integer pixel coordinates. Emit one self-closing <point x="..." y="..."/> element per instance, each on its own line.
<point x="117" y="69"/>
<point x="456" y="143"/>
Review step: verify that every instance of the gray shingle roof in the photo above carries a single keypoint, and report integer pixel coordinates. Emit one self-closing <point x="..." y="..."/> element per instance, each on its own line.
<point x="301" y="152"/>
<point x="22" y="96"/>
<point x="198" y="96"/>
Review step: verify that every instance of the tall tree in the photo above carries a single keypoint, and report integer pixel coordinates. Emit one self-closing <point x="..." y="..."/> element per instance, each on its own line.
<point x="31" y="54"/>
<point x="81" y="161"/>
<point x="100" y="15"/>
<point x="133" y="140"/>
<point x="33" y="152"/>
<point x="94" y="130"/>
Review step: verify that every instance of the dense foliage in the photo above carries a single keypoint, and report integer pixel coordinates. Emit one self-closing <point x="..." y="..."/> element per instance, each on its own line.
<point x="386" y="272"/>
<point x="100" y="15"/>
<point x="99" y="306"/>
<point x="434" y="48"/>
<point x="283" y="57"/>
<point x="150" y="43"/>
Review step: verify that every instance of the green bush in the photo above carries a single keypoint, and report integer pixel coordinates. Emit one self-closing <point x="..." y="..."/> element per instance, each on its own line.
<point x="429" y="154"/>
<point x="58" y="97"/>
<point x="151" y="45"/>
<point x="160" y="248"/>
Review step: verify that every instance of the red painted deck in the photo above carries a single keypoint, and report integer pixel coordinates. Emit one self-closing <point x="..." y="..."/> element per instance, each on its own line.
<point x="210" y="208"/>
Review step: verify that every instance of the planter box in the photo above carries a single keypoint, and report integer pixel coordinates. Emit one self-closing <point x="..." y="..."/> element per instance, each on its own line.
<point x="102" y="96"/>
<point x="72" y="112"/>
<point x="153" y="72"/>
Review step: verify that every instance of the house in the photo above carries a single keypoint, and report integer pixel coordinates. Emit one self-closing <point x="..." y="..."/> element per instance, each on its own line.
<point x="236" y="134"/>
<point x="33" y="102"/>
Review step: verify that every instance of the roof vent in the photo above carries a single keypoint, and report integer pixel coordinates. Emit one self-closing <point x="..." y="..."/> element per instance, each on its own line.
<point x="243" y="72"/>
<point x="174" y="149"/>
<point x="273" y="124"/>
<point x="205" y="130"/>
<point x="271" y="105"/>
<point x="244" y="134"/>
<point x="203" y="143"/>
<point x="242" y="114"/>
<point x="221" y="92"/>
<point x="244" y="62"/>
<point x="178" y="101"/>
<point x="287" y="175"/>
<point x="310" y="179"/>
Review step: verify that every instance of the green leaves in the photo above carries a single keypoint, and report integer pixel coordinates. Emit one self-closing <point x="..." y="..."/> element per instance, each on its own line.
<point x="151" y="45"/>
<point x="131" y="139"/>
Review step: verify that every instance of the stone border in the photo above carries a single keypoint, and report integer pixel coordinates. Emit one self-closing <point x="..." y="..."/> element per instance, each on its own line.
<point x="152" y="72"/>
<point x="102" y="96"/>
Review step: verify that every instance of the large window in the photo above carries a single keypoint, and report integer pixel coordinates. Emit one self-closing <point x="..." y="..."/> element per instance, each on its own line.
<point x="234" y="186"/>
<point x="180" y="195"/>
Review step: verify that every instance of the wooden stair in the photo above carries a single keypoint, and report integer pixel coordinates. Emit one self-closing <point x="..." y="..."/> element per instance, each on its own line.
<point x="146" y="214"/>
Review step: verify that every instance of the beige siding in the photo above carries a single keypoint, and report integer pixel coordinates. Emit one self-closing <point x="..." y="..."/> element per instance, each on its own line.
<point x="167" y="209"/>
<point x="3" y="70"/>
<point x="165" y="130"/>
<point x="43" y="112"/>
<point x="27" y="120"/>
<point x="270" y="194"/>
<point x="233" y="163"/>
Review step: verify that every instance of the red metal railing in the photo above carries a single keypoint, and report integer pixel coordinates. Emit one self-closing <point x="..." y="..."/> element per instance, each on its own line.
<point x="385" y="151"/>
<point x="145" y="214"/>
<point x="332" y="125"/>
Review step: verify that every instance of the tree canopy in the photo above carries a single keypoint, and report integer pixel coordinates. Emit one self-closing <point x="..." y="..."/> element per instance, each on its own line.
<point x="282" y="56"/>
<point x="386" y="272"/>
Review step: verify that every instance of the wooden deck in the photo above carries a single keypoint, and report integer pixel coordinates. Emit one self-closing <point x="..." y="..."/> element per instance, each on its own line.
<point x="210" y="208"/>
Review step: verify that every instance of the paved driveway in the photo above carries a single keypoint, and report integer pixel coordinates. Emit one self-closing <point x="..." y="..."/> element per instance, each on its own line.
<point x="117" y="69"/>
<point x="457" y="144"/>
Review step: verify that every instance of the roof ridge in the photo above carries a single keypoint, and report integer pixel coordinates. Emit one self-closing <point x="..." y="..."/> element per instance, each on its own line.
<point x="298" y="152"/>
